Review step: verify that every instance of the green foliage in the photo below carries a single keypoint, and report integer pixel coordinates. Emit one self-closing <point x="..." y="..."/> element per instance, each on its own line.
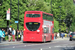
<point x="63" y="26"/>
<point x="72" y="28"/>
<point x="66" y="11"/>
<point x="2" y="23"/>
<point x="56" y="26"/>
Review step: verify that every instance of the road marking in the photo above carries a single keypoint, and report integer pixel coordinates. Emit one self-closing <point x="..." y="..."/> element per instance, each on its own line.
<point x="60" y="46"/>
<point x="13" y="46"/>
<point x="64" y="46"/>
<point x="41" y="49"/>
<point x="25" y="45"/>
<point x="45" y="48"/>
<point x="56" y="46"/>
<point x="49" y="47"/>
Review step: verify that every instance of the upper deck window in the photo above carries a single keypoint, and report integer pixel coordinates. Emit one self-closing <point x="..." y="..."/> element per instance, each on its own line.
<point x="44" y="16"/>
<point x="47" y="17"/>
<point x="32" y="15"/>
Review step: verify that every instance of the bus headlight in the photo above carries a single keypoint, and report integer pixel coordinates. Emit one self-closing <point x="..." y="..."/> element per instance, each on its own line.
<point x="38" y="30"/>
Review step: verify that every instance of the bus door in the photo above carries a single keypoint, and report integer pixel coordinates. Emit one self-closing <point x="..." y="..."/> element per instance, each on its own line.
<point x="46" y="32"/>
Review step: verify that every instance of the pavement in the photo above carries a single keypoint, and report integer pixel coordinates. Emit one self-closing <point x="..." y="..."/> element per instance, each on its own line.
<point x="64" y="38"/>
<point x="10" y="43"/>
<point x="20" y="42"/>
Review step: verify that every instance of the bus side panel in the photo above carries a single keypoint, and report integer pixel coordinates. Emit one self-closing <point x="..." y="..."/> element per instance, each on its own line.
<point x="48" y="35"/>
<point x="52" y="36"/>
<point x="53" y="30"/>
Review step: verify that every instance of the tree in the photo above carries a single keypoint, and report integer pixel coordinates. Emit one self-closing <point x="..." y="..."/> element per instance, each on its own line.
<point x="67" y="11"/>
<point x="56" y="26"/>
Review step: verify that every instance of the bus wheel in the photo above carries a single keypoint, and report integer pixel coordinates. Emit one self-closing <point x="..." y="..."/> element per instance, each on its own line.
<point x="44" y="40"/>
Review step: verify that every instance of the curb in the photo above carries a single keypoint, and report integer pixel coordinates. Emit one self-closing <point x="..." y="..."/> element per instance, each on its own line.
<point x="6" y="42"/>
<point x="20" y="42"/>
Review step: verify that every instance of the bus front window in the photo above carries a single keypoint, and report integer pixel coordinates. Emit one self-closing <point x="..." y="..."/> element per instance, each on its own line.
<point x="32" y="26"/>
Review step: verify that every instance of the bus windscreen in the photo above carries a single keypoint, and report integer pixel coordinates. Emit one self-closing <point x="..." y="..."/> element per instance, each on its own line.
<point x="32" y="26"/>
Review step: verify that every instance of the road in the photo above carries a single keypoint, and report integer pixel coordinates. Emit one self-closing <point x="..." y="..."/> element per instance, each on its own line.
<point x="54" y="45"/>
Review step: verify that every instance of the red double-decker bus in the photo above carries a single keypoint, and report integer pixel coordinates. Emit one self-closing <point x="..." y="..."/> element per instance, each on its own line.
<point x="38" y="26"/>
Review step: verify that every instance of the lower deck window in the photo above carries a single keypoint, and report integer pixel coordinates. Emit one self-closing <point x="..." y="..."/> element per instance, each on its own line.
<point x="46" y="30"/>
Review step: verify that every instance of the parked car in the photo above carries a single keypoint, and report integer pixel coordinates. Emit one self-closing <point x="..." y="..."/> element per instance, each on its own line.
<point x="72" y="36"/>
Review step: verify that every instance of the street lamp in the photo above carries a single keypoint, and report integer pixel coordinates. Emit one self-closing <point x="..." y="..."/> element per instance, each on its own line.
<point x="18" y="16"/>
<point x="51" y="6"/>
<point x="9" y="22"/>
<point x="10" y="9"/>
<point x="70" y="21"/>
<point x="60" y="21"/>
<point x="9" y="12"/>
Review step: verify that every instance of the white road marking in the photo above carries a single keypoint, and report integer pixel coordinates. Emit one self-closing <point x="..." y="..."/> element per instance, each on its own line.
<point x="41" y="49"/>
<point x="56" y="46"/>
<point x="25" y="45"/>
<point x="13" y="46"/>
<point x="60" y="46"/>
<point x="49" y="47"/>
<point x="64" y="46"/>
<point x="45" y="48"/>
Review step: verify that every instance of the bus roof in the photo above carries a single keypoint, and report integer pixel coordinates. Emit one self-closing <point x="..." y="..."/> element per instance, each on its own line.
<point x="48" y="13"/>
<point x="38" y="12"/>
